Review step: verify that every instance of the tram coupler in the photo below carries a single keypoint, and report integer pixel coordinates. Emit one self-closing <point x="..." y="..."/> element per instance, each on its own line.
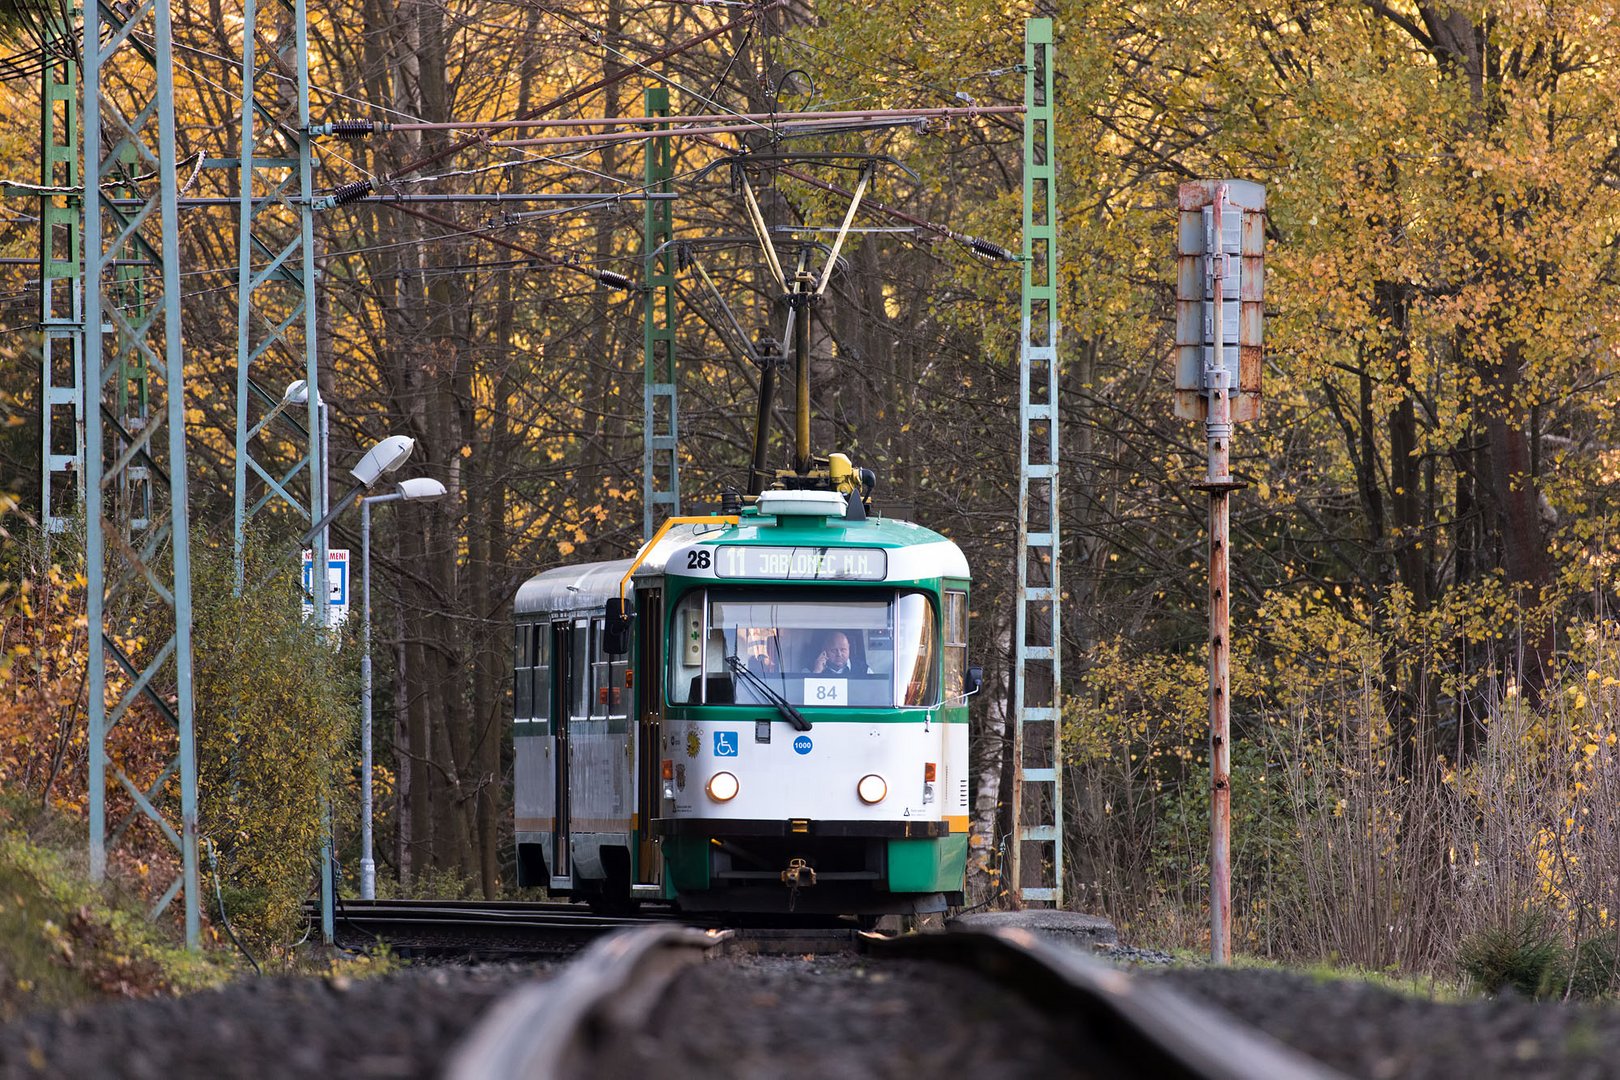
<point x="798" y="873"/>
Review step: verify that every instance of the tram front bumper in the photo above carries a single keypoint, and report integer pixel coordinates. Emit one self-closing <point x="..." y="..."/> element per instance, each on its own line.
<point x="740" y="827"/>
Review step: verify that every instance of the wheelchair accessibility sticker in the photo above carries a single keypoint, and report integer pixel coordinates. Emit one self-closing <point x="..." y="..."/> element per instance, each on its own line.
<point x="725" y="744"/>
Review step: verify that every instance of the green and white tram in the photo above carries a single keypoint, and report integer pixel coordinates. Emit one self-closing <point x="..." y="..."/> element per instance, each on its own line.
<point x="764" y="712"/>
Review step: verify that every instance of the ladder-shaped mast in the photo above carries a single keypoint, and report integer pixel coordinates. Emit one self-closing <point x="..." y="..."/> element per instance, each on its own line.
<point x="1036" y="874"/>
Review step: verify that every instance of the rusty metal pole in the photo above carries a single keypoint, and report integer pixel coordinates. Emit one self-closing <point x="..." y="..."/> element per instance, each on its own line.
<point x="1218" y="482"/>
<point x="1220" y="276"/>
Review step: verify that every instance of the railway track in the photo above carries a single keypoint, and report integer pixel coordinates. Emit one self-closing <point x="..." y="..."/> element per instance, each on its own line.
<point x="480" y="928"/>
<point x="1115" y="1026"/>
<point x="518" y="929"/>
<point x="709" y="1007"/>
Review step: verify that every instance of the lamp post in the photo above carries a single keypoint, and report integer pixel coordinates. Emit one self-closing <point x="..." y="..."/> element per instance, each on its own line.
<point x="383" y="458"/>
<point x="415" y="489"/>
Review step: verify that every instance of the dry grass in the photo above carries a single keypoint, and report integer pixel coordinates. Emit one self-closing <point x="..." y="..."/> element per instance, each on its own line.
<point x="1349" y="851"/>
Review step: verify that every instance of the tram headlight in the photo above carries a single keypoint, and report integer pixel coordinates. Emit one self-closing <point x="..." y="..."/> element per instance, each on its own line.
<point x="872" y="788"/>
<point x="722" y="787"/>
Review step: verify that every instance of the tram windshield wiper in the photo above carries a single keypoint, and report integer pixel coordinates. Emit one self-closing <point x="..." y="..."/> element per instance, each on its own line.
<point x="783" y="706"/>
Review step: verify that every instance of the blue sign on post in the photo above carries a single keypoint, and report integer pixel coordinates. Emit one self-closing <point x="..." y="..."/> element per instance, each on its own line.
<point x="337" y="583"/>
<point x="725" y="744"/>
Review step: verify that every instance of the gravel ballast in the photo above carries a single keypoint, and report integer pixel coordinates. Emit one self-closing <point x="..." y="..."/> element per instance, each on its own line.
<point x="1365" y="1030"/>
<point x="842" y="1016"/>
<point x="393" y="1026"/>
<point x="851" y="1018"/>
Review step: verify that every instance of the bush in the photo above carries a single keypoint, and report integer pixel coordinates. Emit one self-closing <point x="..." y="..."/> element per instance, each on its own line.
<point x="1525" y="955"/>
<point x="276" y="703"/>
<point x="1596" y="967"/>
<point x="62" y="942"/>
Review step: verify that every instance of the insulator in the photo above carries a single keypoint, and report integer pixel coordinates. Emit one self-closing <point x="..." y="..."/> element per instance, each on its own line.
<point x="352" y="129"/>
<point x="351" y="191"/>
<point x="614" y="281"/>
<point x="989" y="250"/>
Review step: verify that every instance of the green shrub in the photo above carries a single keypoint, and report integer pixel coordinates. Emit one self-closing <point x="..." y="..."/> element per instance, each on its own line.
<point x="276" y="704"/>
<point x="62" y="942"/>
<point x="1524" y="955"/>
<point x="1596" y="972"/>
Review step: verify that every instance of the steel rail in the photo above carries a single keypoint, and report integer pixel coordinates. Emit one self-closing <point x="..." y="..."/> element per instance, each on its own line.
<point x="552" y="1029"/>
<point x="482" y="927"/>
<point x="1145" y="1030"/>
<point x="384" y="911"/>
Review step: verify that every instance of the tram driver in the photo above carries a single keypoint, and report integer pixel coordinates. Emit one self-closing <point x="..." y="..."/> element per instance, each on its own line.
<point x="835" y="658"/>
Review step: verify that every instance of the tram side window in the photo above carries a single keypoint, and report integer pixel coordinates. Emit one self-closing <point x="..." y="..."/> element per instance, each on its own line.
<point x="522" y="673"/>
<point x="579" y="683"/>
<point x="618" y="668"/>
<point x="541" y="651"/>
<point x="686" y="651"/>
<point x="608" y="694"/>
<point x="956" y="642"/>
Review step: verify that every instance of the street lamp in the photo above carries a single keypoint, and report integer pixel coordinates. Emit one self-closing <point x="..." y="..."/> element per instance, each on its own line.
<point x="418" y="488"/>
<point x="382" y="458"/>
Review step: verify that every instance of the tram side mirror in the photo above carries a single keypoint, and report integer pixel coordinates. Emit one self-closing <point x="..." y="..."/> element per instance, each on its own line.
<point x="974" y="681"/>
<point x="616" y="628"/>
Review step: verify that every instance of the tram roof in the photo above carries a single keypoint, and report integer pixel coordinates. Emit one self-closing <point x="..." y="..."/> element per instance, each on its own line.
<point x="576" y="589"/>
<point x="584" y="587"/>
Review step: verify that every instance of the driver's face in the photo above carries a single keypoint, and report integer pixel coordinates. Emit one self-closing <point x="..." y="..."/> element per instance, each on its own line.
<point x="838" y="650"/>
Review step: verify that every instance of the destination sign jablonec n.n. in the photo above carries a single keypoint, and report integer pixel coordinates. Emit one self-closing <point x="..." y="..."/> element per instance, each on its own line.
<point x="801" y="563"/>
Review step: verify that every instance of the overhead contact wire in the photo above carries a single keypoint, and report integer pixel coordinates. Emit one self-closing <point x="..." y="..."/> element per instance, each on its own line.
<point x="603" y="277"/>
<point x="986" y="248"/>
<point x="589" y="88"/>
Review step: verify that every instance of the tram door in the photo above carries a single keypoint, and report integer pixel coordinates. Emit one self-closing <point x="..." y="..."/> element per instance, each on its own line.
<point x="565" y="690"/>
<point x="649" y="696"/>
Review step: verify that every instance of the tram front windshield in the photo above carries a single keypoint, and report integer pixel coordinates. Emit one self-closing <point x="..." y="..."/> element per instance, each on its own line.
<point x="828" y="651"/>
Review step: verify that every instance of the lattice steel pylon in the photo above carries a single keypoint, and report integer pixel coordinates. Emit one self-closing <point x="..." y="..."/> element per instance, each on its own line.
<point x="661" y="464"/>
<point x="276" y="310"/>
<point x="275" y="315"/>
<point x="61" y="294"/>
<point x="138" y="561"/>
<point x="1037" y="796"/>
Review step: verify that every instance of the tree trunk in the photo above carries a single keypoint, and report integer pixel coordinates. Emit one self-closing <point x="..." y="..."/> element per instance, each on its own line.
<point x="404" y="768"/>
